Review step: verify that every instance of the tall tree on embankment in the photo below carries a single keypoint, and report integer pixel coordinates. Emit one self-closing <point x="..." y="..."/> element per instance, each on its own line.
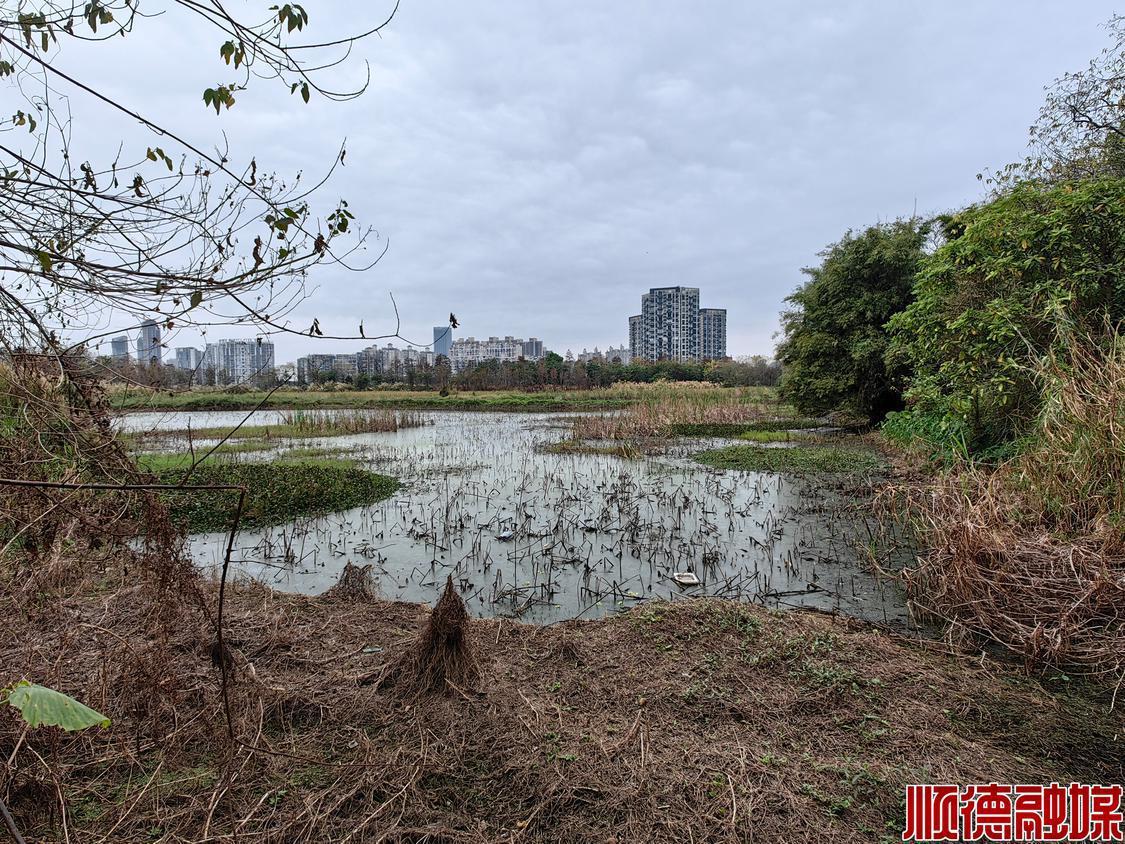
<point x="835" y="335"/>
<point x="1018" y="281"/>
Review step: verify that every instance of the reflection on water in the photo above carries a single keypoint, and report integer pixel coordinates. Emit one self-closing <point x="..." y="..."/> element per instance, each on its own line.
<point x="546" y="537"/>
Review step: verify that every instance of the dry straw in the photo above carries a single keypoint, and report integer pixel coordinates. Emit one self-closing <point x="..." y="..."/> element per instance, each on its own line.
<point x="1031" y="553"/>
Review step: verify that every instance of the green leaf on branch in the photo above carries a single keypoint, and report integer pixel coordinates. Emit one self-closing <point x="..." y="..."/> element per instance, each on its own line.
<point x="40" y="706"/>
<point x="219" y="97"/>
<point x="158" y="155"/>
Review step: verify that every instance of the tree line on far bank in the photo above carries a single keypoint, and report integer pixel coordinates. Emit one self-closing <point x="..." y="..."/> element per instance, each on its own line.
<point x="551" y="372"/>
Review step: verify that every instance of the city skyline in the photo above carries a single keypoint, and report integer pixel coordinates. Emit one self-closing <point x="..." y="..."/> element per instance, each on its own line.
<point x="537" y="202"/>
<point x="190" y="357"/>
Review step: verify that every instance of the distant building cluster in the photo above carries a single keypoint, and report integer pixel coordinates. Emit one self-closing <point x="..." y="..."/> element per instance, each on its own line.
<point x="374" y="361"/>
<point x="467" y="352"/>
<point x="612" y="354"/>
<point x="236" y="361"/>
<point x="672" y="326"/>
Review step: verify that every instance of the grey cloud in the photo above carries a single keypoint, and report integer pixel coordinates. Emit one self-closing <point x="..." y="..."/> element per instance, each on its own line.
<point x="537" y="166"/>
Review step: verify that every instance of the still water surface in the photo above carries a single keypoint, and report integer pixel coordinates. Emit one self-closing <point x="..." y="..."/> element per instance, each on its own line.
<point x="545" y="537"/>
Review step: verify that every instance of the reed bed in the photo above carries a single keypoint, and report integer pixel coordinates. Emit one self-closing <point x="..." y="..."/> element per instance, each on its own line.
<point x="1031" y="553"/>
<point x="659" y="410"/>
<point x="297" y="424"/>
<point x="320" y="423"/>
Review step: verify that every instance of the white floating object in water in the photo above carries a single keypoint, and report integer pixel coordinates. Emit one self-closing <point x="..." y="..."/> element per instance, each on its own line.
<point x="506" y="536"/>
<point x="685" y="578"/>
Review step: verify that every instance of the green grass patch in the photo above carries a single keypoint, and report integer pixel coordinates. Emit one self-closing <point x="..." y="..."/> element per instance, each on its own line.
<point x="277" y="492"/>
<point x="738" y="429"/>
<point x="752" y="458"/>
<point x="778" y="436"/>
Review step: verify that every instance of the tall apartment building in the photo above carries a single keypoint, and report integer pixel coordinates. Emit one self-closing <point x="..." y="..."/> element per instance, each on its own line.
<point x="311" y="366"/>
<point x="188" y="358"/>
<point x="469" y="351"/>
<point x="671" y="326"/>
<point x="712" y="333"/>
<point x="119" y="349"/>
<point x="239" y="361"/>
<point x="636" y="335"/>
<point x="443" y="340"/>
<point x="148" y="343"/>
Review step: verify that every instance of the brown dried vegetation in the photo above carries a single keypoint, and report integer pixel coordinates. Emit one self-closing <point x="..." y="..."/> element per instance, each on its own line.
<point x="1030" y="554"/>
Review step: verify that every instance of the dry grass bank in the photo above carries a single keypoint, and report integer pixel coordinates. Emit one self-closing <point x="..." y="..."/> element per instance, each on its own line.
<point x="705" y="721"/>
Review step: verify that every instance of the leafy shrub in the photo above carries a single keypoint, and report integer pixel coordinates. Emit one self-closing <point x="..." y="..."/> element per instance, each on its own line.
<point x="1018" y="279"/>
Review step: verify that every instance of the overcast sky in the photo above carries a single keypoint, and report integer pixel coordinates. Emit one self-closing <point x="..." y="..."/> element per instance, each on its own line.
<point x="537" y="166"/>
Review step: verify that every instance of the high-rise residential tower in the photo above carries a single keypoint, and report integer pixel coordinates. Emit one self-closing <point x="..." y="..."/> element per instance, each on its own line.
<point x="119" y="349"/>
<point x="443" y="340"/>
<point x="712" y="333"/>
<point x="672" y="326"/>
<point x="670" y="323"/>
<point x="636" y="336"/>
<point x="188" y="358"/>
<point x="148" y="343"/>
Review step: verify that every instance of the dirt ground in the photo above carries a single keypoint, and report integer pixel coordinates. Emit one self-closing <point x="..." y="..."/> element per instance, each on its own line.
<point x="701" y="721"/>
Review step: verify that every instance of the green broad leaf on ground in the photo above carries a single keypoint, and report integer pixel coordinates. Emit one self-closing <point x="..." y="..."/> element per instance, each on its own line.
<point x="41" y="706"/>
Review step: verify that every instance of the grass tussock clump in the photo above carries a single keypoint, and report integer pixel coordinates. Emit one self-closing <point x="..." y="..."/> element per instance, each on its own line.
<point x="299" y="424"/>
<point x="440" y="660"/>
<point x="319" y="423"/>
<point x="1031" y="553"/>
<point x="623" y="448"/>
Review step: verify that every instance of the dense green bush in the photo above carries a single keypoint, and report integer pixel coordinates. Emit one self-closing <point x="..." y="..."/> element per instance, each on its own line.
<point x="835" y="336"/>
<point x="1018" y="279"/>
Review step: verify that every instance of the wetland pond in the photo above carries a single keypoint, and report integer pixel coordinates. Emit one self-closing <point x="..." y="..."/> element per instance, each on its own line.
<point x="545" y="537"/>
